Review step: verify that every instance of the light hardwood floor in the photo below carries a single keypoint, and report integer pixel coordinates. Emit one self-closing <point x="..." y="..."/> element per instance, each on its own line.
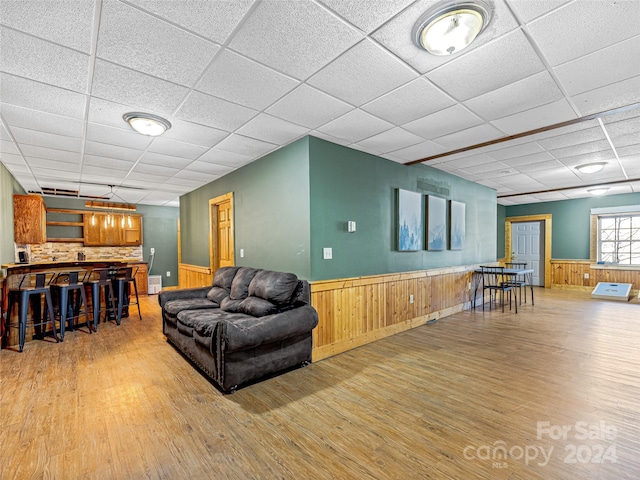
<point x="434" y="402"/>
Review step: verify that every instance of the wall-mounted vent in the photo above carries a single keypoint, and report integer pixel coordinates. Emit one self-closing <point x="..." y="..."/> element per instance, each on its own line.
<point x="60" y="192"/>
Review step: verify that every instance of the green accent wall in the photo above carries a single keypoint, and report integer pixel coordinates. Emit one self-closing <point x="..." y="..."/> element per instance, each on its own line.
<point x="570" y="222"/>
<point x="502" y="215"/>
<point x="347" y="184"/>
<point x="271" y="213"/>
<point x="8" y="186"/>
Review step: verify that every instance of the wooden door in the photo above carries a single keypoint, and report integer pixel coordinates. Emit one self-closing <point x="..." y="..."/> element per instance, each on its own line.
<point x="221" y="241"/>
<point x="528" y="245"/>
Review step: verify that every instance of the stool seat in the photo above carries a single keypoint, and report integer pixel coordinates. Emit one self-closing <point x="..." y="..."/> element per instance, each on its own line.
<point x="27" y="290"/>
<point x="68" y="293"/>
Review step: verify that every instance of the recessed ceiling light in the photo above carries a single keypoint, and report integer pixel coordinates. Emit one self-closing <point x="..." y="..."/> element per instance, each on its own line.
<point x="591" y="167"/>
<point x="449" y="28"/>
<point x="598" y="190"/>
<point x="146" y="123"/>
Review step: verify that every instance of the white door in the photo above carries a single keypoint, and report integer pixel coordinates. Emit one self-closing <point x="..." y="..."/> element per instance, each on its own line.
<point x="527" y="241"/>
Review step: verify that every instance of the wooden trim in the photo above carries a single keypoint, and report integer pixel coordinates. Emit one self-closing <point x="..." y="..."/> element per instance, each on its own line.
<point x="546" y="218"/>
<point x="66" y="240"/>
<point x="66" y="224"/>
<point x="213" y="228"/>
<point x="195" y="268"/>
<point x="191" y="276"/>
<point x="179" y="243"/>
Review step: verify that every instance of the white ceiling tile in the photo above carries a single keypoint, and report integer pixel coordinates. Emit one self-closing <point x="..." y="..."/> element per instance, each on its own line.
<point x="409" y="102"/>
<point x="7" y="146"/>
<point x="194" y="133"/>
<point x="30" y="57"/>
<point x="155" y="170"/>
<point x="343" y="77"/>
<point x="214" y="112"/>
<point x="213" y="169"/>
<point x="178" y="149"/>
<point x="518" y="161"/>
<point x="11" y="158"/>
<point x="106" y="162"/>
<point x="417" y="152"/>
<point x="391" y="140"/>
<point x="271" y="129"/>
<point x="563" y="35"/>
<point x="201" y="177"/>
<point x="46" y="174"/>
<point x="111" y="151"/>
<point x="240" y="80"/>
<point x="308" y="107"/>
<point x="510" y="152"/>
<point x="122" y="85"/>
<point x="355" y="126"/>
<point x="245" y="146"/>
<point x="470" y="136"/>
<point x="621" y="94"/>
<point x="628" y="140"/>
<point x="104" y="175"/>
<point x="601" y="68"/>
<point x="550" y="196"/>
<point x="157" y="48"/>
<point x="116" y="136"/>
<point x="471" y="161"/>
<point x="153" y="158"/>
<point x="330" y="138"/>
<point x="449" y="120"/>
<point x="144" y="179"/>
<point x="584" y="158"/>
<point x="52" y="164"/>
<point x="469" y="75"/>
<point x="19" y="169"/>
<point x="623" y="127"/>
<point x="306" y="38"/>
<point x="104" y="112"/>
<point x="68" y="22"/>
<point x="498" y="168"/>
<point x="50" y="153"/>
<point x="221" y="157"/>
<point x="44" y="122"/>
<point x="396" y="35"/>
<point x="579" y="137"/>
<point x="214" y="20"/>
<point x="534" y="167"/>
<point x="582" y="150"/>
<point x="40" y="96"/>
<point x="549" y="114"/>
<point x="4" y="134"/>
<point x="42" y="139"/>
<point x="536" y="90"/>
<point x="529" y="10"/>
<point x="367" y="15"/>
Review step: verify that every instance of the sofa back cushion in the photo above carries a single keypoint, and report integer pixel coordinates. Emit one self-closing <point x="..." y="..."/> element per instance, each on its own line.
<point x="224" y="277"/>
<point x="240" y="285"/>
<point x="256" y="307"/>
<point x="276" y="287"/>
<point x="217" y="294"/>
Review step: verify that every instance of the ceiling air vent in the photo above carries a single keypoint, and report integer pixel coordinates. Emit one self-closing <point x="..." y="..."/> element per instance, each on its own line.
<point x="60" y="192"/>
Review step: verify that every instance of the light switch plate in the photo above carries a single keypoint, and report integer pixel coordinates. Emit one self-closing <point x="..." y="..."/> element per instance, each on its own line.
<point x="327" y="253"/>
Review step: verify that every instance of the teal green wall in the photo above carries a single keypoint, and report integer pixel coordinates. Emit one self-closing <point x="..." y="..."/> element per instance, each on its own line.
<point x="346" y="184"/>
<point x="8" y="186"/>
<point x="271" y="213"/>
<point x="159" y="230"/>
<point x="502" y="215"/>
<point x="570" y="222"/>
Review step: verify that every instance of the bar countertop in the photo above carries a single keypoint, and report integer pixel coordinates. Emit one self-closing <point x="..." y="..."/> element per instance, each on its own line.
<point x="69" y="263"/>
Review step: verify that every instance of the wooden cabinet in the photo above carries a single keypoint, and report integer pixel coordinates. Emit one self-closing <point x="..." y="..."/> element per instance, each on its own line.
<point x="29" y="219"/>
<point x="102" y="229"/>
<point x="142" y="277"/>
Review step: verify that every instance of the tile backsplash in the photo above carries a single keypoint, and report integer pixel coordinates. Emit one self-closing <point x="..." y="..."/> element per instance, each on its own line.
<point x="68" y="252"/>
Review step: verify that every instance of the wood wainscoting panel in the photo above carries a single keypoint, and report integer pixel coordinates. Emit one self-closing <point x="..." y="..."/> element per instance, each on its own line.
<point x="570" y="275"/>
<point x="192" y="276"/>
<point x="355" y="311"/>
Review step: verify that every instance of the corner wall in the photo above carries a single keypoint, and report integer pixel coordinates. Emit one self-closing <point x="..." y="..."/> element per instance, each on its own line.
<point x="8" y="186"/>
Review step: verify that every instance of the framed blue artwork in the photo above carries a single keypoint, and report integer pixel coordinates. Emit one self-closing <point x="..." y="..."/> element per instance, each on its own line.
<point x="436" y="223"/>
<point x="456" y="225"/>
<point x="410" y="221"/>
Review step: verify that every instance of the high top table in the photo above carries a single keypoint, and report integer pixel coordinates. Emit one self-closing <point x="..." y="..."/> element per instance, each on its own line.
<point x="527" y="273"/>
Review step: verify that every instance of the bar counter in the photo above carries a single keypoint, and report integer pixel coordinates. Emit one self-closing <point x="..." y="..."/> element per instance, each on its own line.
<point x="6" y="338"/>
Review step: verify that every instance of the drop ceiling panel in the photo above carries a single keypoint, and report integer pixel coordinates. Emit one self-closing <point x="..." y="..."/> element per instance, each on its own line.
<point x="342" y="77"/>
<point x="580" y="137"/>
<point x="355" y="126"/>
<point x="533" y="159"/>
<point x="220" y="157"/>
<point x="40" y="96"/>
<point x="155" y="170"/>
<point x="193" y="133"/>
<point x="444" y="122"/>
<point x="214" y="169"/>
<point x="111" y="151"/>
<point x="117" y="136"/>
<point x="44" y="122"/>
<point x="106" y="162"/>
<point x="157" y="48"/>
<point x="391" y="140"/>
<point x="416" y="152"/>
<point x="538" y="117"/>
<point x="42" y="139"/>
<point x="306" y="37"/>
<point x="9" y="147"/>
<point x="409" y="102"/>
<point x="470" y="136"/>
<point x="125" y="86"/>
<point x="214" y="112"/>
<point x="243" y="81"/>
<point x="177" y="149"/>
<point x="468" y="76"/>
<point x="472" y="161"/>
<point x="245" y="146"/>
<point x="367" y="15"/>
<point x="214" y="20"/>
<point x="33" y="58"/>
<point x="50" y="153"/>
<point x="626" y="92"/>
<point x="161" y="160"/>
<point x="103" y="174"/>
<point x="528" y="10"/>
<point x="11" y="159"/>
<point x="272" y="129"/>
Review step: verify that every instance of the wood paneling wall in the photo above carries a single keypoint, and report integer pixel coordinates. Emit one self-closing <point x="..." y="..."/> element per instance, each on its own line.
<point x="570" y="274"/>
<point x="356" y="311"/>
<point x="191" y="276"/>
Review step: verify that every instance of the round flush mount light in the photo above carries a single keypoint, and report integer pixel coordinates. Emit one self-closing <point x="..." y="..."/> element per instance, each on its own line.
<point x="598" y="190"/>
<point x="591" y="167"/>
<point x="450" y="27"/>
<point x="146" y="123"/>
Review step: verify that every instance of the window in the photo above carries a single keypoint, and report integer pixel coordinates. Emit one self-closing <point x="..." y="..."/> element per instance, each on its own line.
<point x="619" y="239"/>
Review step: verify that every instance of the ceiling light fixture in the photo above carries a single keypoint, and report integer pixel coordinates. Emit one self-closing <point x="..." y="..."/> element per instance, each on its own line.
<point x="591" y="167"/>
<point x="598" y="191"/>
<point x="146" y="123"/>
<point x="450" y="27"/>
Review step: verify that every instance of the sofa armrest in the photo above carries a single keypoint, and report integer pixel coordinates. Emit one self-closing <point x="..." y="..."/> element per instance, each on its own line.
<point x="183" y="294"/>
<point x="263" y="330"/>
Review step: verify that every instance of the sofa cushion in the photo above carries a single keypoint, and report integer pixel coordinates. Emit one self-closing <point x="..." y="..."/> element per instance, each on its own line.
<point x="229" y="305"/>
<point x="224" y="277"/>
<point x="257" y="307"/>
<point x="240" y="285"/>
<point x="276" y="287"/>
<point x="217" y="294"/>
<point x="174" y="307"/>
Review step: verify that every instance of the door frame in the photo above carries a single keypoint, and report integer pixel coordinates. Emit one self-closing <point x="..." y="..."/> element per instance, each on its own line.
<point x="214" y="257"/>
<point x="546" y="219"/>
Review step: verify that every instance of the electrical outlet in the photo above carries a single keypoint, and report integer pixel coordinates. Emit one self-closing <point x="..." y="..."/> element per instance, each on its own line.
<point x="152" y="250"/>
<point x="410" y="298"/>
<point x="242" y="253"/>
<point x="586" y="275"/>
<point x="168" y="274"/>
<point x="327" y="253"/>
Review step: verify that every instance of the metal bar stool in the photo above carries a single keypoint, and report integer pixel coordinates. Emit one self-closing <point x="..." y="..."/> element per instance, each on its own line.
<point x="99" y="282"/>
<point x="27" y="290"/>
<point x="124" y="277"/>
<point x="68" y="293"/>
